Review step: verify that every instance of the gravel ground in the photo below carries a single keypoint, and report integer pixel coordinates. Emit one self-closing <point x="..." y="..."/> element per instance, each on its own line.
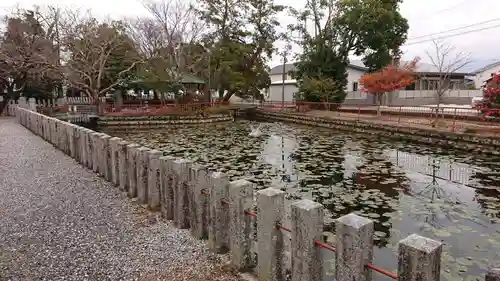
<point x="59" y="221"/>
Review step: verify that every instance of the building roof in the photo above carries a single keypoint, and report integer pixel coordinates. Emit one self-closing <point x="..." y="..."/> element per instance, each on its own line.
<point x="486" y="67"/>
<point x="356" y="64"/>
<point x="427" y="68"/>
<point x="422" y="68"/>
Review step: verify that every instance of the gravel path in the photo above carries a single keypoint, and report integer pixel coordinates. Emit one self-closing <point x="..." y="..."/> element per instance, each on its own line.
<point x="59" y="221"/>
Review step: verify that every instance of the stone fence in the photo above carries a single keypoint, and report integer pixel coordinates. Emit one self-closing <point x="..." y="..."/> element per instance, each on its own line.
<point x="223" y="212"/>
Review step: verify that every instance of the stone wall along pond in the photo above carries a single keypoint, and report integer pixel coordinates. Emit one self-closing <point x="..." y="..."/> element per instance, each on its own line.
<point x="222" y="211"/>
<point x="124" y="123"/>
<point x="462" y="141"/>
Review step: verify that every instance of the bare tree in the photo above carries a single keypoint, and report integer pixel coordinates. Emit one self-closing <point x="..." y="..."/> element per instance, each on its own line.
<point x="99" y="53"/>
<point x="180" y="28"/>
<point x="169" y="39"/>
<point x="447" y="61"/>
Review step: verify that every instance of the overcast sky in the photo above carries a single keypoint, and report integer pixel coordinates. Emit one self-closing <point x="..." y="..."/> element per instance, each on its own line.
<point x="424" y="16"/>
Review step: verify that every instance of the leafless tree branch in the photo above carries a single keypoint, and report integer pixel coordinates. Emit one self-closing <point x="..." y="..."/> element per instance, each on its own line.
<point x="447" y="61"/>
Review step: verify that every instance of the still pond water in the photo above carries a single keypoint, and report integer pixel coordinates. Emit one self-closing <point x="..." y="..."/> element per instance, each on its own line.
<point x="449" y="196"/>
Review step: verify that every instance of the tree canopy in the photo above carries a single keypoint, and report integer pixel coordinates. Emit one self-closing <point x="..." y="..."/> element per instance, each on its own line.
<point x="28" y="63"/>
<point x="226" y="43"/>
<point x="373" y="29"/>
<point x="389" y="78"/>
<point x="241" y="40"/>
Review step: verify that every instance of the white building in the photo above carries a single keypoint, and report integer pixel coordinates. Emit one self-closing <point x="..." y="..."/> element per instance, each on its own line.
<point x="422" y="92"/>
<point x="355" y="70"/>
<point x="484" y="73"/>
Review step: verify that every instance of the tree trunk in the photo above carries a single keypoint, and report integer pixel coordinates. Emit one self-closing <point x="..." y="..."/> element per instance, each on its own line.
<point x="438" y="100"/>
<point x="118" y="100"/>
<point x="379" y="101"/>
<point x="227" y="96"/>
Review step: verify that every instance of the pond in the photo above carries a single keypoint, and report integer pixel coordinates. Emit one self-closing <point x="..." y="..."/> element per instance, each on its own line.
<point x="449" y="196"/>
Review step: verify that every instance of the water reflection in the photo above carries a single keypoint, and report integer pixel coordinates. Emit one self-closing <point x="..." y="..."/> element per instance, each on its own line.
<point x="448" y="196"/>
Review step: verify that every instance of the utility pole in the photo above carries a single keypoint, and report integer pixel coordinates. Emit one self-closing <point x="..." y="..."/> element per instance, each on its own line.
<point x="283" y="82"/>
<point x="285" y="53"/>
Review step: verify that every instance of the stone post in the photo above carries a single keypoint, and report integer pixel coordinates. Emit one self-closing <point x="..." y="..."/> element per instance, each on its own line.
<point x="115" y="165"/>
<point x="419" y="259"/>
<point x="132" y="154"/>
<point x="270" y="251"/>
<point x="76" y="142"/>
<point x="122" y="165"/>
<point x="167" y="187"/>
<point x="53" y="131"/>
<point x="104" y="156"/>
<point x="240" y="224"/>
<point x="493" y="275"/>
<point x="66" y="137"/>
<point x="198" y="179"/>
<point x="86" y="148"/>
<point x="108" y="167"/>
<point x="62" y="139"/>
<point x="218" y="238"/>
<point x="142" y="174"/>
<point x="45" y="125"/>
<point x="94" y="149"/>
<point x="354" y="248"/>
<point x="307" y="227"/>
<point x="154" y="179"/>
<point x="181" y="192"/>
<point x="71" y="140"/>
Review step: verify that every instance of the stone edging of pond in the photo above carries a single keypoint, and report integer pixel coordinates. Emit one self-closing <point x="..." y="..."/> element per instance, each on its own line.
<point x="462" y="141"/>
<point x="150" y="122"/>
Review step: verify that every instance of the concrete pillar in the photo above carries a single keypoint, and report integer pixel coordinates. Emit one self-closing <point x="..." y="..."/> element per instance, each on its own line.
<point x="107" y="165"/>
<point x="103" y="156"/>
<point x="49" y="129"/>
<point x="115" y="165"/>
<point x="46" y="129"/>
<point x="53" y="131"/>
<point x="93" y="148"/>
<point x="307" y="226"/>
<point x="270" y="243"/>
<point x="122" y="165"/>
<point x="142" y="174"/>
<point x="240" y="224"/>
<point x="132" y="154"/>
<point x="65" y="139"/>
<point x="76" y="142"/>
<point x="198" y="179"/>
<point x="154" y="179"/>
<point x="85" y="153"/>
<point x="71" y="140"/>
<point x="493" y="275"/>
<point x="181" y="192"/>
<point x="62" y="132"/>
<point x="45" y="122"/>
<point x="419" y="259"/>
<point x="354" y="248"/>
<point x="218" y="238"/>
<point x="167" y="187"/>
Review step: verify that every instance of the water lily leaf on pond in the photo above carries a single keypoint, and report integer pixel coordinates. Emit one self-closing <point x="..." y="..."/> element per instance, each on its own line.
<point x="373" y="215"/>
<point x="464" y="261"/>
<point x="441" y="233"/>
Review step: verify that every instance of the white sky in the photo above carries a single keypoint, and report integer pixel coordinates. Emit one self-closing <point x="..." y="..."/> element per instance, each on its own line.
<point x="424" y="16"/>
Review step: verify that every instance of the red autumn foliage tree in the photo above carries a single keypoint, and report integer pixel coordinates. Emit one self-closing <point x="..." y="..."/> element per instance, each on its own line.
<point x="388" y="79"/>
<point x="491" y="95"/>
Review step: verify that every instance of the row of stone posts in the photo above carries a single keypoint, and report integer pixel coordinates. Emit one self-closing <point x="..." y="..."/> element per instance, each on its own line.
<point x="222" y="211"/>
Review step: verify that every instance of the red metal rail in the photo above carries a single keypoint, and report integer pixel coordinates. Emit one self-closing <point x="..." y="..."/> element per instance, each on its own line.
<point x="317" y="242"/>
